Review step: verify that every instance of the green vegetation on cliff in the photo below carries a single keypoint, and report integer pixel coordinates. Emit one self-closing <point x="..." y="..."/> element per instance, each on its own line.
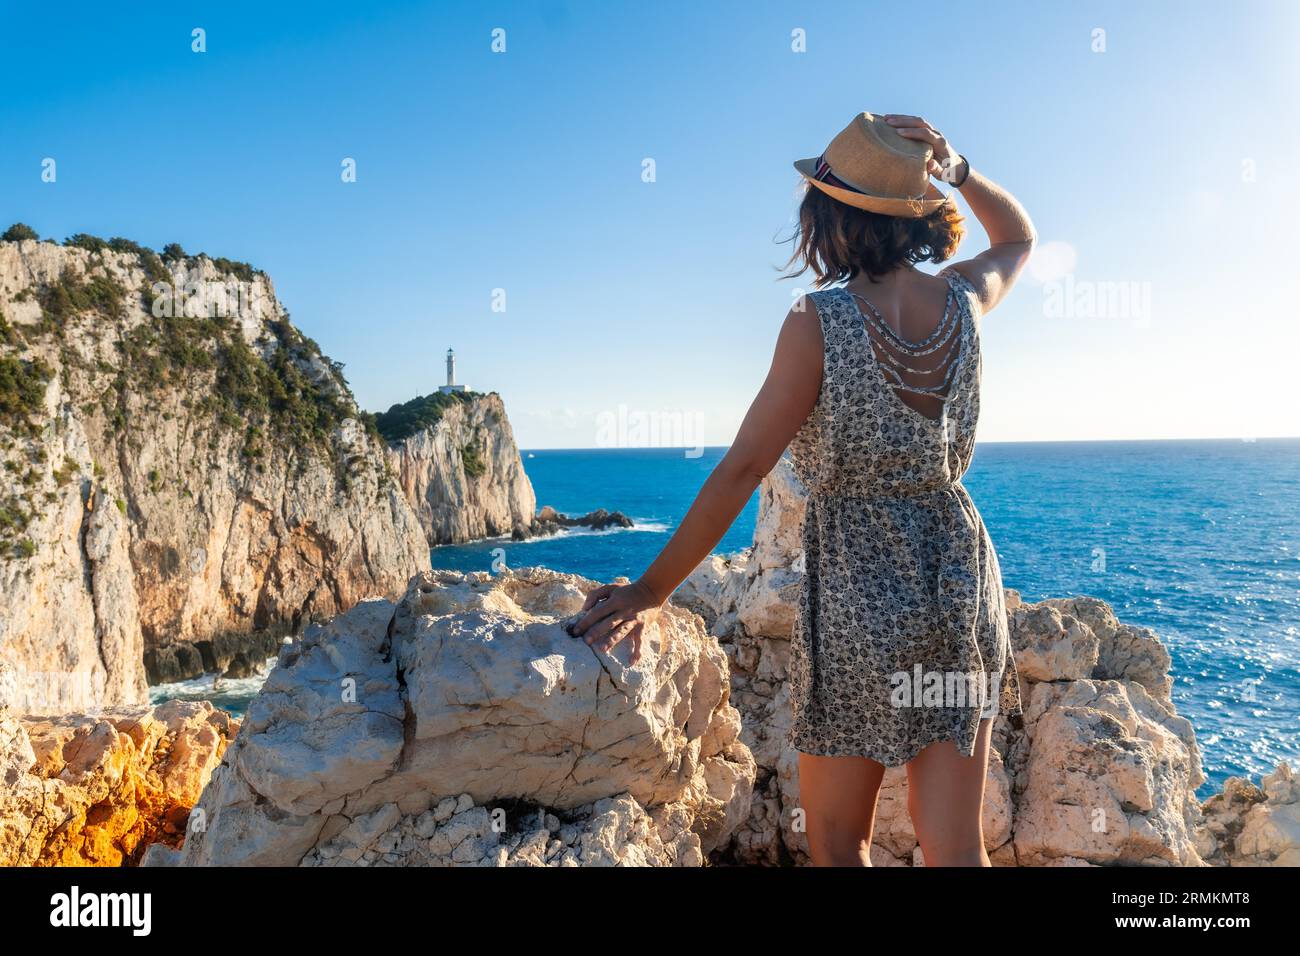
<point x="22" y="391"/>
<point x="276" y="394"/>
<point x="18" y="232"/>
<point x="71" y="296"/>
<point x="472" y="459"/>
<point x="402" y="421"/>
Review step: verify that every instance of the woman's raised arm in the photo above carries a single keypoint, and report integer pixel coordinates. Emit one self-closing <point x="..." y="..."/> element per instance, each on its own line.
<point x="614" y="612"/>
<point x="1011" y="234"/>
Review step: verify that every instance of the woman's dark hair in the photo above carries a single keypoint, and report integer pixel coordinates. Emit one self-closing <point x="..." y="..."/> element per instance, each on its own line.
<point x="837" y="241"/>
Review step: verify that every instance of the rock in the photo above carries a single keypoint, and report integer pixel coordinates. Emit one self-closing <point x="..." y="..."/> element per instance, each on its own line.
<point x="462" y="701"/>
<point x="1052" y="646"/>
<point x="329" y="719"/>
<point x="241" y="666"/>
<point x="1246" y="825"/>
<point x="769" y="606"/>
<point x="95" y="791"/>
<point x="1106" y="774"/>
<point x="614" y="831"/>
<point x="713" y="589"/>
<point x="456" y="504"/>
<point x="549" y="521"/>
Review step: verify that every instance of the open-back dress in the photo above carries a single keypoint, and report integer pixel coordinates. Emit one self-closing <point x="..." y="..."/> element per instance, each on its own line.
<point x="901" y="638"/>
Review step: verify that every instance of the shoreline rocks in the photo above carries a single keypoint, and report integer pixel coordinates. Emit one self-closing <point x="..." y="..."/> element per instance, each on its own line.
<point x="548" y="521"/>
<point x="1249" y="825"/>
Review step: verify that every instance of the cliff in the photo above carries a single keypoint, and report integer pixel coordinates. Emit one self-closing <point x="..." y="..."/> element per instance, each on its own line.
<point x="185" y="476"/>
<point x="462" y="474"/>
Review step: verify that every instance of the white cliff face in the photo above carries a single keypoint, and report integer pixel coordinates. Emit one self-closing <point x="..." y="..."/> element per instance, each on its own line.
<point x="463" y="476"/>
<point x="186" y="489"/>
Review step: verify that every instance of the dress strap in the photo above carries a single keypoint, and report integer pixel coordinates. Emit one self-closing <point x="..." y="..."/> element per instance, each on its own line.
<point x="960" y="283"/>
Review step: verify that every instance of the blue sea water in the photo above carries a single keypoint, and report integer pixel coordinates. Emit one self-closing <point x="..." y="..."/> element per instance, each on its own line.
<point x="1199" y="540"/>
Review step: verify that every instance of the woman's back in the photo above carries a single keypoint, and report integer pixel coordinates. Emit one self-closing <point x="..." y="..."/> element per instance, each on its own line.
<point x="900" y="572"/>
<point x="911" y="306"/>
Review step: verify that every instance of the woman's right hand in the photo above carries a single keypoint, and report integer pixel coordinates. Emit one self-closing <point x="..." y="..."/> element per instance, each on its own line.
<point x="613" y="613"/>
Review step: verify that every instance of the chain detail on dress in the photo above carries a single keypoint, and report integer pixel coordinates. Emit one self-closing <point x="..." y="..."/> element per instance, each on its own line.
<point x="944" y="334"/>
<point x="947" y="324"/>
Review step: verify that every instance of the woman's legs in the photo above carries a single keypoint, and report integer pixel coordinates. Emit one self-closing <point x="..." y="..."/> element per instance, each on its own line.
<point x="945" y="796"/>
<point x="838" y="797"/>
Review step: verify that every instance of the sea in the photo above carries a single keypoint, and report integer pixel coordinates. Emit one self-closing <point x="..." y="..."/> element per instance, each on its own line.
<point x="1199" y="540"/>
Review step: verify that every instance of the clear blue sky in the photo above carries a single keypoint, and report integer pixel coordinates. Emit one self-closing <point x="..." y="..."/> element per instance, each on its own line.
<point x="523" y="171"/>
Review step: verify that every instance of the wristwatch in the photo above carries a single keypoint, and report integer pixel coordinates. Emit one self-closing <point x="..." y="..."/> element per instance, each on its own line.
<point x="965" y="162"/>
<point x="948" y="165"/>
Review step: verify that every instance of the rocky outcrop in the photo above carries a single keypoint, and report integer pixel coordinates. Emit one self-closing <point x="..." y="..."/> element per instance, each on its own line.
<point x="463" y="475"/>
<point x="464" y="726"/>
<point x="1102" y="770"/>
<point x="549" y="521"/>
<point x="95" y="791"/>
<point x="185" y="476"/>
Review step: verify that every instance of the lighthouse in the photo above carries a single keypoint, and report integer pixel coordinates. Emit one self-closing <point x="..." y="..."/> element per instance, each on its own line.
<point x="451" y="385"/>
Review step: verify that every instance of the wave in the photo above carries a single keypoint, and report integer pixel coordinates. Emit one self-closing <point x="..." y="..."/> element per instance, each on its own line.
<point x="654" y="527"/>
<point x="651" y="527"/>
<point x="213" y="687"/>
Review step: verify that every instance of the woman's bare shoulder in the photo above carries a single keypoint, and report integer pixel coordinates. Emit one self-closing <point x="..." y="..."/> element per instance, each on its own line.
<point x="803" y="323"/>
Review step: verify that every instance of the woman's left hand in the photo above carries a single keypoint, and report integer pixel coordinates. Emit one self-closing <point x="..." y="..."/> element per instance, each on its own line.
<point x="616" y="613"/>
<point x="915" y="128"/>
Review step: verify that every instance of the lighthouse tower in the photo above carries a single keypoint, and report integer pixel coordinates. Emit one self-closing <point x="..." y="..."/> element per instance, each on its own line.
<point x="451" y="385"/>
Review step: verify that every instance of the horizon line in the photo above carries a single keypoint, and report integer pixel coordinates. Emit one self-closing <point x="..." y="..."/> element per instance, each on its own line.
<point x="1026" y="441"/>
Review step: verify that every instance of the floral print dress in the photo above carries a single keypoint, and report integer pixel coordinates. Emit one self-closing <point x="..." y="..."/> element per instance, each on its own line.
<point x="901" y="638"/>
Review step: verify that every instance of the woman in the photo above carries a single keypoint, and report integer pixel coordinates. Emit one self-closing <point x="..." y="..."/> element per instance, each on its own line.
<point x="900" y="654"/>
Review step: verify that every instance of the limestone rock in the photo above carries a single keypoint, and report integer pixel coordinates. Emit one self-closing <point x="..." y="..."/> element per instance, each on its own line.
<point x="469" y="688"/>
<point x="82" y="790"/>
<point x="1106" y="774"/>
<point x="1246" y="825"/>
<point x="1050" y="646"/>
<point x="613" y="831"/>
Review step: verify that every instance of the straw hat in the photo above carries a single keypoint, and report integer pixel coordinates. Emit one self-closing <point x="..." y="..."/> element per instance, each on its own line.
<point x="870" y="166"/>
